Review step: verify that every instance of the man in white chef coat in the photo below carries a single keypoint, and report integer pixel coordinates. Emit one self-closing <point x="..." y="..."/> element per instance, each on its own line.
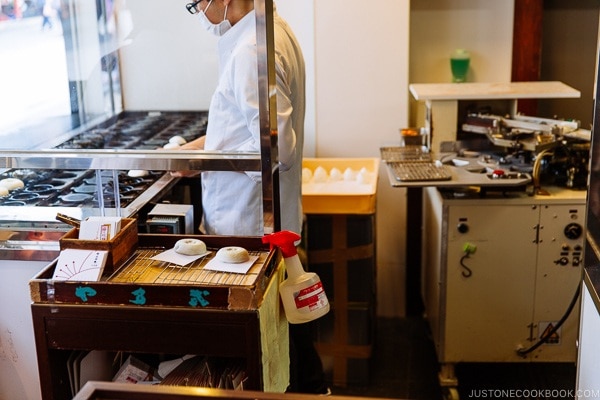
<point x="232" y="201"/>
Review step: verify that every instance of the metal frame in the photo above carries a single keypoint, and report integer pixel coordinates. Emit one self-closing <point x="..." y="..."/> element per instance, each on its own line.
<point x="268" y="114"/>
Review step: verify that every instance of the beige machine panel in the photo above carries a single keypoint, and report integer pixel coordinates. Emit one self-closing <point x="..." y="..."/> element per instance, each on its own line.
<point x="498" y="274"/>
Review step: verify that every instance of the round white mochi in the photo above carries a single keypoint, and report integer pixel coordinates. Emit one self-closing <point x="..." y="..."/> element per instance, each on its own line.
<point x="233" y="254"/>
<point x="171" y="146"/>
<point x="190" y="247"/>
<point x="178" y="140"/>
<point x="137" y="173"/>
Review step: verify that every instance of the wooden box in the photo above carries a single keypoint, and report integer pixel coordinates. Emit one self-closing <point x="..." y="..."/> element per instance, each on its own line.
<point x="120" y="248"/>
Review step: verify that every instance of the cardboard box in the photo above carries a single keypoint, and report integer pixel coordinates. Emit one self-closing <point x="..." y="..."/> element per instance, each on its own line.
<point x="341" y="195"/>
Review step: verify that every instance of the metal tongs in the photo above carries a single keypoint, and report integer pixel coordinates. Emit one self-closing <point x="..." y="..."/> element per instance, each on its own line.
<point x="68" y="220"/>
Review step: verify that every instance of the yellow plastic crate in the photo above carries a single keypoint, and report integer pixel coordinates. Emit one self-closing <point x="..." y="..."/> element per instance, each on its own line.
<point x="340" y="195"/>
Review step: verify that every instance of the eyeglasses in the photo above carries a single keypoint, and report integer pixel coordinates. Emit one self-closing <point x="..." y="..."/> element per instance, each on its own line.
<point x="191" y="7"/>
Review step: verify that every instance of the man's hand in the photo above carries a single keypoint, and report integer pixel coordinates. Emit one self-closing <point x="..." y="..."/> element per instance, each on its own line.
<point x="197" y="144"/>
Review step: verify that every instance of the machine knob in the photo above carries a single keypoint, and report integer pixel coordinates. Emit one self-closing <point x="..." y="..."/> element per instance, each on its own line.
<point x="573" y="230"/>
<point x="498" y="174"/>
<point x="562" y="261"/>
<point x="462" y="227"/>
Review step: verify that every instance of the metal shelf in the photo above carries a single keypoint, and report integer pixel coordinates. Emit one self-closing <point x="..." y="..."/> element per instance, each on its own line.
<point x="125" y="159"/>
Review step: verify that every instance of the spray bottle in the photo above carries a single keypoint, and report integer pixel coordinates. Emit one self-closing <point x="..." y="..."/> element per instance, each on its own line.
<point x="302" y="293"/>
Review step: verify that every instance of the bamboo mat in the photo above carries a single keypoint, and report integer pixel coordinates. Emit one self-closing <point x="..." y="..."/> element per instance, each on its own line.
<point x="143" y="269"/>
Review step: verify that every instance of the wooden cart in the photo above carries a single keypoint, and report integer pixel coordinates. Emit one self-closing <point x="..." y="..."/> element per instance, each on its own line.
<point x="213" y="314"/>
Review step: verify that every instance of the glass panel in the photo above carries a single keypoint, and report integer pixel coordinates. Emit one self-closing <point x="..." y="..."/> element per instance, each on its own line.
<point x="127" y="75"/>
<point x="80" y="62"/>
<point x="59" y="67"/>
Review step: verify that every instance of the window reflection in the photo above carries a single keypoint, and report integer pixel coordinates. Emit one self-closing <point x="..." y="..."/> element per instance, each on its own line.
<point x="58" y="62"/>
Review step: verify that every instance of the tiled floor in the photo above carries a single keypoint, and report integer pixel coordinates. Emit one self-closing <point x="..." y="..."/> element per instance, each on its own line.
<point x="404" y="366"/>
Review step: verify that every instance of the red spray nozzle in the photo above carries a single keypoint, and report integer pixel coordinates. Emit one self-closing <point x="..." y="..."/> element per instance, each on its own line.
<point x="285" y="240"/>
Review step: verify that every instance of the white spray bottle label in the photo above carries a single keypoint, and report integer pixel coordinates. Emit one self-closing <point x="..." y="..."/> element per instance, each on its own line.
<point x="313" y="297"/>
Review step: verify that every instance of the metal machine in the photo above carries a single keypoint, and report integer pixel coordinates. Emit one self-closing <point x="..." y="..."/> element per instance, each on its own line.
<point x="501" y="248"/>
<point x="555" y="152"/>
<point x="497" y="153"/>
<point x="500" y="273"/>
<point x="502" y="264"/>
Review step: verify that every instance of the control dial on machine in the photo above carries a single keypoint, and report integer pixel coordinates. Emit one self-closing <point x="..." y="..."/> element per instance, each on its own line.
<point x="573" y="230"/>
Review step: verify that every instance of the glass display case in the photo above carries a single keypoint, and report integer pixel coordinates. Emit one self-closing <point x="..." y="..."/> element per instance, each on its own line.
<point x="100" y="87"/>
<point x="88" y="97"/>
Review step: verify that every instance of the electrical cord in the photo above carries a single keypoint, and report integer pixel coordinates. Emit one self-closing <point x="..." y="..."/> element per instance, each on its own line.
<point x="468" y="249"/>
<point x="467" y="272"/>
<point x="544" y="339"/>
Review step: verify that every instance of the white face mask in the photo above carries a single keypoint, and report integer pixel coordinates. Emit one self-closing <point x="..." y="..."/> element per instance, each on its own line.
<point x="216" y="29"/>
